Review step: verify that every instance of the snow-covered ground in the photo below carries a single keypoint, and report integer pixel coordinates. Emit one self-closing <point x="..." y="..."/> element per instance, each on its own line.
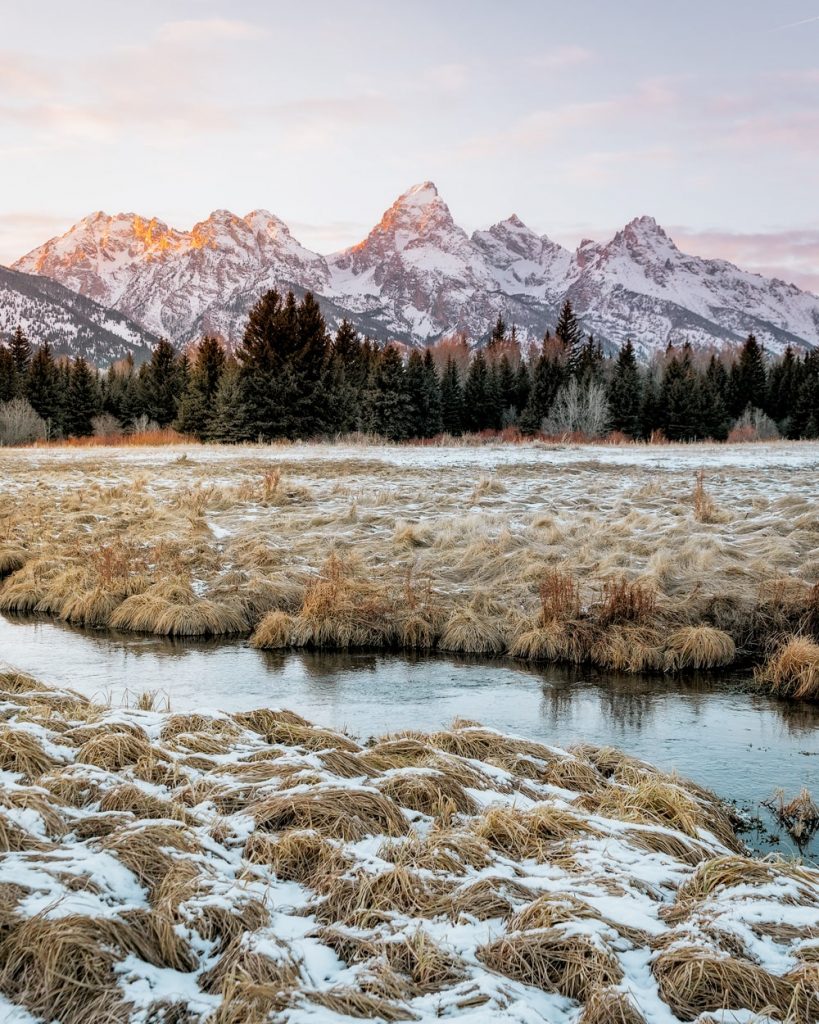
<point x="246" y="868"/>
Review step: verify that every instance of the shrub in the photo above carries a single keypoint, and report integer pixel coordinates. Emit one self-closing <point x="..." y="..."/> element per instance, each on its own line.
<point x="20" y="424"/>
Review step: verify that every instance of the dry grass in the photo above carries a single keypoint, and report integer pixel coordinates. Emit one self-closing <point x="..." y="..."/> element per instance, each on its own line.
<point x="553" y="960"/>
<point x="211" y="866"/>
<point x="377" y="551"/>
<point x="793" y="669"/>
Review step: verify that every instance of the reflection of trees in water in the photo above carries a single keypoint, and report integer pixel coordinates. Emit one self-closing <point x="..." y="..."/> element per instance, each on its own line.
<point x="322" y="665"/>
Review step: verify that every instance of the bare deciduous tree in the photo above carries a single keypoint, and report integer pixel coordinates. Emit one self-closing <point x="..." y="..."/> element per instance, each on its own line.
<point x="20" y="424"/>
<point x="578" y="409"/>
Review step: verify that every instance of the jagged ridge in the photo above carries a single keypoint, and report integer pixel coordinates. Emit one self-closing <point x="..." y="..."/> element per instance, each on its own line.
<point x="418" y="275"/>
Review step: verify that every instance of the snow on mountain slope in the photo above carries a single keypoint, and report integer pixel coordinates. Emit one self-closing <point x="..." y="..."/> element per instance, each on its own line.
<point x="71" y="323"/>
<point x="417" y="275"/>
<point x="640" y="285"/>
<point x="177" y="283"/>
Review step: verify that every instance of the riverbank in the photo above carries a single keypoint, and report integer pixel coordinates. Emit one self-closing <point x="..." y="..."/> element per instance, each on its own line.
<point x="626" y="557"/>
<point x="222" y="867"/>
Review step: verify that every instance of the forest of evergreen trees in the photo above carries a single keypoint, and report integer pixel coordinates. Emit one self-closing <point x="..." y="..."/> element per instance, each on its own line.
<point x="289" y="378"/>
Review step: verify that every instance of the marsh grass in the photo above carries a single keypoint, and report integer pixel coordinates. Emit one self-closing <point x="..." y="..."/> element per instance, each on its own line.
<point x="228" y="867"/>
<point x="570" y="572"/>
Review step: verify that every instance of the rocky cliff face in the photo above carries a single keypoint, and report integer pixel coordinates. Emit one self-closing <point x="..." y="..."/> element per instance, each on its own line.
<point x="418" y="275"/>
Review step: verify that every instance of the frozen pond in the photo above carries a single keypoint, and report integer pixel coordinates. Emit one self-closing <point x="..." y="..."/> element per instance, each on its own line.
<point x="741" y="745"/>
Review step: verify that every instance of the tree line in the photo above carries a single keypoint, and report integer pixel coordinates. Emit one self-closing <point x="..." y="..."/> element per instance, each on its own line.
<point x="291" y="378"/>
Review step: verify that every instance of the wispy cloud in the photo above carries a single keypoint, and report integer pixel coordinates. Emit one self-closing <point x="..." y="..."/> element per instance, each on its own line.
<point x="796" y="24"/>
<point x="561" y="58"/>
<point x="207" y="31"/>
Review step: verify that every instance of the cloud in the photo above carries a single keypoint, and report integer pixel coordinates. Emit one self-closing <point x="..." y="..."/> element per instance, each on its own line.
<point x="207" y="31"/>
<point x="792" y="255"/>
<point x="561" y="58"/>
<point x="451" y="78"/>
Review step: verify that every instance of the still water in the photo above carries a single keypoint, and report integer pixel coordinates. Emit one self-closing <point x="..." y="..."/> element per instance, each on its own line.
<point x="741" y="745"/>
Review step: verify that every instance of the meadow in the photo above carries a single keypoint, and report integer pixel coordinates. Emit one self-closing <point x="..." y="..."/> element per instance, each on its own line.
<point x="629" y="557"/>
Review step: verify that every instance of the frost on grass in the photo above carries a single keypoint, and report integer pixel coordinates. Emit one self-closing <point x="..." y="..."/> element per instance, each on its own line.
<point x="633" y="558"/>
<point x="237" y="869"/>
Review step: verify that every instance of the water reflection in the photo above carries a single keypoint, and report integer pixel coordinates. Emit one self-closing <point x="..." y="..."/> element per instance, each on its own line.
<point x="740" y="744"/>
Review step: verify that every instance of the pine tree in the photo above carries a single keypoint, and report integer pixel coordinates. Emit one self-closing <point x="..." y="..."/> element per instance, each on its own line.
<point x="651" y="418"/>
<point x="585" y="362"/>
<point x="712" y="416"/>
<point x="392" y="407"/>
<point x="506" y="385"/>
<point x="196" y="406"/>
<point x="568" y="330"/>
<point x="804" y="421"/>
<point x="7" y="374"/>
<point x="225" y="424"/>
<point x="678" y="398"/>
<point x="160" y="379"/>
<point x="20" y="349"/>
<point x="432" y="397"/>
<point x="476" y="413"/>
<point x="749" y="383"/>
<point x="546" y="378"/>
<point x="83" y="399"/>
<point x="498" y="336"/>
<point x="310" y="367"/>
<point x="42" y="388"/>
<point x="625" y="393"/>
<point x="452" y="400"/>
<point x="416" y="391"/>
<point x="350" y="361"/>
<point x="783" y="385"/>
<point x="523" y="385"/>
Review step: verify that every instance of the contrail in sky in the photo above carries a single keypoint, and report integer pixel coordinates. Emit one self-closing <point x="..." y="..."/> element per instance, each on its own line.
<point x="804" y="21"/>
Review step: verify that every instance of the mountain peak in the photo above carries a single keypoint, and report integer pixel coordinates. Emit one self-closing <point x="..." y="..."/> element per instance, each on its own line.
<point x="419" y="195"/>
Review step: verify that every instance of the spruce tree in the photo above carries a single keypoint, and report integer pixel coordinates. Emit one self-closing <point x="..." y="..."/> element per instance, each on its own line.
<point x="196" y="406"/>
<point x="7" y="374"/>
<point x="749" y="383"/>
<point x="42" y="388"/>
<point x="712" y="415"/>
<point x="783" y="384"/>
<point x="351" y="369"/>
<point x="523" y="384"/>
<point x="452" y="400"/>
<point x="678" y="398"/>
<point x="568" y="330"/>
<point x="83" y="399"/>
<point x="625" y="393"/>
<point x="433" y="424"/>
<point x="416" y="391"/>
<point x="160" y="379"/>
<point x="226" y="425"/>
<point x="506" y="385"/>
<point x="547" y="376"/>
<point x="476" y="413"/>
<point x="20" y="349"/>
<point x="392" y="407"/>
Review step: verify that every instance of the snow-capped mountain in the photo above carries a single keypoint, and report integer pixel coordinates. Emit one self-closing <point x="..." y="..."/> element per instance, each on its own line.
<point x="418" y="275"/>
<point x="71" y="323"/>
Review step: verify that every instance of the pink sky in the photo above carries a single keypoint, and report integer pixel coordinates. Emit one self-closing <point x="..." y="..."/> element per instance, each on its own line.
<point x="577" y="117"/>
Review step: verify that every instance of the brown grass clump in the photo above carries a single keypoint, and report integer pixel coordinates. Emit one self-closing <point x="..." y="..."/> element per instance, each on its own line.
<point x="343" y="609"/>
<point x="719" y="873"/>
<point x="64" y="968"/>
<point x="793" y="669"/>
<point x="629" y="648"/>
<point x="699" y="647"/>
<point x="694" y="980"/>
<point x="274" y="631"/>
<point x="366" y="900"/>
<point x="488" y="898"/>
<point x="571" y="965"/>
<point x="800" y="815"/>
<point x="428" y="792"/>
<point x="114" y="750"/>
<point x="140" y="803"/>
<point x="22" y="752"/>
<point x="705" y="511"/>
<point x="339" y="813"/>
<point x="417" y="957"/>
<point x="610" y="1006"/>
<point x="299" y="855"/>
<point x="151" y="850"/>
<point x="625" y="600"/>
<point x="20" y="683"/>
<point x="11" y="559"/>
<point x="524" y="835"/>
<point x="468" y="631"/>
<point x="265" y="721"/>
<point x="173" y="609"/>
<point x="559" y="594"/>
<point x="351" y="1002"/>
